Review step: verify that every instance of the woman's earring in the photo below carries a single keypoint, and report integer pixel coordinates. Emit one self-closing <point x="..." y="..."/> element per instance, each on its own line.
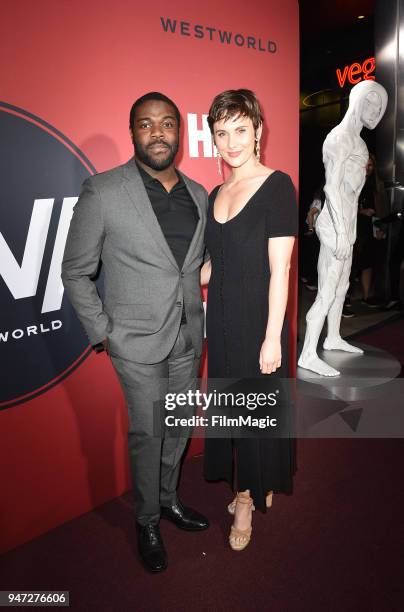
<point x="219" y="163"/>
<point x="257" y="149"/>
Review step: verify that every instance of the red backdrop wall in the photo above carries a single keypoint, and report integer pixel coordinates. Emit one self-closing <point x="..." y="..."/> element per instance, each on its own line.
<point x="79" y="66"/>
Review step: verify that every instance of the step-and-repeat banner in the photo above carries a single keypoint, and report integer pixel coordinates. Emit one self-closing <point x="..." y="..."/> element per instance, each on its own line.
<point x="70" y="72"/>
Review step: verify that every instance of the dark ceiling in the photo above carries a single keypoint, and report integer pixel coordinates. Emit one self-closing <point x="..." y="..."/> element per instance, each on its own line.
<point x="332" y="36"/>
<point x="320" y="17"/>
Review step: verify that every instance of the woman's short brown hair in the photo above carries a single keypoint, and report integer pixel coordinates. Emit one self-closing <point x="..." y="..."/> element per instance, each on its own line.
<point x="234" y="103"/>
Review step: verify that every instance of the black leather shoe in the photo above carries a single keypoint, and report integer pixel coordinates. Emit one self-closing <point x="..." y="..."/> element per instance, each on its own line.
<point x="151" y="547"/>
<point x="184" y="518"/>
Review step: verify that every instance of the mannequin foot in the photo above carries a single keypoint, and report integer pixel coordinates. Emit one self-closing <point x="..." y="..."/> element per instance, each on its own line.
<point x="315" y="364"/>
<point x="338" y="344"/>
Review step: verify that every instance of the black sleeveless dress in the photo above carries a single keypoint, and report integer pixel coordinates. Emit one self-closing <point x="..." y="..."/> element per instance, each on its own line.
<point x="237" y="315"/>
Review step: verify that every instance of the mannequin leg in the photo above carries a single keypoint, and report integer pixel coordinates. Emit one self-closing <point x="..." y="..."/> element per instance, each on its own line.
<point x="333" y="340"/>
<point x="329" y="272"/>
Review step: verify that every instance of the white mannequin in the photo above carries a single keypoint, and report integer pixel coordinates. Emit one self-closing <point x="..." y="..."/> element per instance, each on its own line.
<point x="345" y="156"/>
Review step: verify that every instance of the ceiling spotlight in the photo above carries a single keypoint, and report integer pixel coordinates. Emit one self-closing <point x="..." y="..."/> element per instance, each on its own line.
<point x="361" y="16"/>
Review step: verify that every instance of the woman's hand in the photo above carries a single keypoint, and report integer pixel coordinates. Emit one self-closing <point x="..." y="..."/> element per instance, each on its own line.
<point x="367" y="212"/>
<point x="270" y="355"/>
<point x="205" y="273"/>
<point x="310" y="217"/>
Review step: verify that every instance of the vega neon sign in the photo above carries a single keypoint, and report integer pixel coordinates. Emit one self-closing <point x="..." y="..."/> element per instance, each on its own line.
<point x="357" y="72"/>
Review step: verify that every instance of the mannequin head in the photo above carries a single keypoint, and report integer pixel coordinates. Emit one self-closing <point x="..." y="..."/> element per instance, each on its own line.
<point x="367" y="103"/>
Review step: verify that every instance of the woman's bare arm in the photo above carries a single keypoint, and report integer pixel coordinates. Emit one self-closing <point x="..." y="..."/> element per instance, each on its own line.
<point x="279" y="254"/>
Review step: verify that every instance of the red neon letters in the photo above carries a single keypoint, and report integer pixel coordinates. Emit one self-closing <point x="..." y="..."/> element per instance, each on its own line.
<point x="356" y="72"/>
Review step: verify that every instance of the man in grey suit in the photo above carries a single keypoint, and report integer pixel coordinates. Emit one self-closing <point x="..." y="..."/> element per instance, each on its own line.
<point x="145" y="221"/>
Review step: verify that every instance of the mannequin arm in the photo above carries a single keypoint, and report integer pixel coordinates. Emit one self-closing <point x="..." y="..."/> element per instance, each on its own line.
<point x="334" y="157"/>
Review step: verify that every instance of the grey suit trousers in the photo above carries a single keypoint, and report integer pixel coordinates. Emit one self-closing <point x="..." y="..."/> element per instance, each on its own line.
<point x="154" y="456"/>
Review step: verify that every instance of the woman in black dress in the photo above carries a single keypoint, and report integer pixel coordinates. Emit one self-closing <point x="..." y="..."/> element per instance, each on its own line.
<point x="252" y="222"/>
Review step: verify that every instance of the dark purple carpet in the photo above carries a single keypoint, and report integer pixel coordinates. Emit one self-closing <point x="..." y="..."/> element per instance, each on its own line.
<point x="335" y="544"/>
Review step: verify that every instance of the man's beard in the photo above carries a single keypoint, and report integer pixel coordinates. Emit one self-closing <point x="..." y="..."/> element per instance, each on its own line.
<point x="156" y="163"/>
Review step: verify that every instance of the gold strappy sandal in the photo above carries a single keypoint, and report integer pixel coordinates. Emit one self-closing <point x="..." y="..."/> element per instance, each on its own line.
<point x="232" y="506"/>
<point x="240" y="538"/>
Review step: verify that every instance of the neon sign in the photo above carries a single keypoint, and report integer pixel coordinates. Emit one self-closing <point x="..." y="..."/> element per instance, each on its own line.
<point x="357" y="72"/>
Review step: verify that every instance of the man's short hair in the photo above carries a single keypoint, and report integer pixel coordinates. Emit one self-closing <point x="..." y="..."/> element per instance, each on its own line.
<point x="152" y="95"/>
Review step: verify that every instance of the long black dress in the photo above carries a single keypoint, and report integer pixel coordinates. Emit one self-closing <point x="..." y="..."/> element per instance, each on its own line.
<point x="237" y="315"/>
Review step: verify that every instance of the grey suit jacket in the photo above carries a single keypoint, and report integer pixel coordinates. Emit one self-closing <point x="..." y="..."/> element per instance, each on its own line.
<point x="113" y="221"/>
